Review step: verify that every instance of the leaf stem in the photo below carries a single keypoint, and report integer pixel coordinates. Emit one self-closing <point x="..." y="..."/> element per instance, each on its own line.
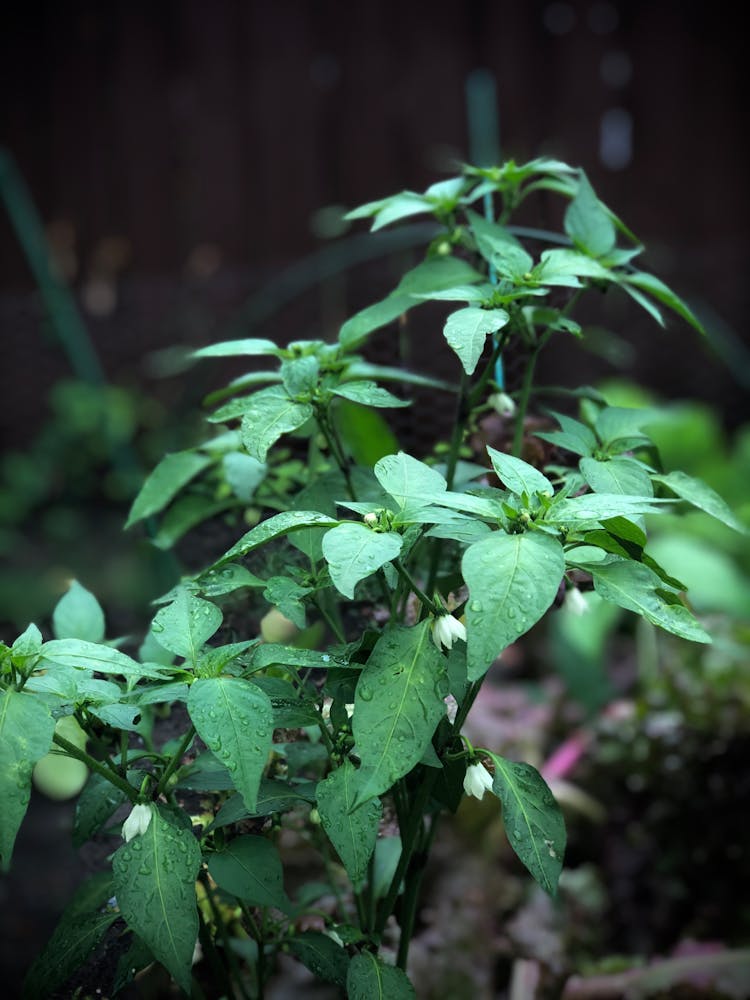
<point x="174" y="763"/>
<point x="426" y="602"/>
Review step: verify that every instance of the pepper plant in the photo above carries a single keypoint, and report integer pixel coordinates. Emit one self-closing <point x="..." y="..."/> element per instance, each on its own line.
<point x="402" y="582"/>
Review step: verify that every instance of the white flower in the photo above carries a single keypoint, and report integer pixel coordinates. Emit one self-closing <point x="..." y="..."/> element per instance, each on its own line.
<point x="370" y="519"/>
<point x="575" y="603"/>
<point x="502" y="403"/>
<point x="445" y="630"/>
<point x="477" y="780"/>
<point x="137" y="822"/>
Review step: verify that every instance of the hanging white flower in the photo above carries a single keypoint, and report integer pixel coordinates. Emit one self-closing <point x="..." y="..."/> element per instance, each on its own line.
<point x="446" y="629"/>
<point x="502" y="403"/>
<point x="477" y="780"/>
<point x="137" y="822"/>
<point x="575" y="603"/>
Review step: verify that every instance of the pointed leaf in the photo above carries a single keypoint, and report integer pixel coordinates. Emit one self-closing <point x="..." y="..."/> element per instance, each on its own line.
<point x="250" y="868"/>
<point x="165" y="482"/>
<point x="512" y="580"/>
<point x="270" y="414"/>
<point x="587" y="221"/>
<point x="321" y="955"/>
<point x="234" y="718"/>
<point x="78" y="615"/>
<point x="26" y="730"/>
<point x="354" y="551"/>
<point x="618" y="475"/>
<point x="406" y="478"/>
<point x="186" y="624"/>
<point x="518" y="476"/>
<point x="466" y="331"/>
<point x="398" y="704"/>
<point x="154" y="876"/>
<point x="352" y="830"/>
<point x="500" y="247"/>
<point x="660" y="291"/>
<point x="94" y="656"/>
<point x="274" y="527"/>
<point x="369" y="394"/>
<point x="702" y="496"/>
<point x="249" y="347"/>
<point x="533" y="822"/>
<point x="369" y="979"/>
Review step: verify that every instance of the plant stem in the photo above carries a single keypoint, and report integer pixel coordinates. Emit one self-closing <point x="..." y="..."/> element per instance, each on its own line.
<point x="411" y="893"/>
<point x="95" y="765"/>
<point x="174" y="763"/>
<point x="426" y="602"/>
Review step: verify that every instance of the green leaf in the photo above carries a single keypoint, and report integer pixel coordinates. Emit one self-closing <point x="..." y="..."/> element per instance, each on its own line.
<point x="95" y="805"/>
<point x="84" y="655"/>
<point x="250" y="868"/>
<point x="600" y="507"/>
<point x="274" y="527"/>
<point x="372" y="318"/>
<point x="645" y="303"/>
<point x="273" y="797"/>
<point x="618" y="475"/>
<point x="618" y="423"/>
<point x="635" y="587"/>
<point x="300" y="375"/>
<point x="78" y="615"/>
<point x="397" y="705"/>
<point x="574" y="436"/>
<point x="154" y="879"/>
<point x="270" y="414"/>
<point x="512" y="580"/>
<point x="234" y="718"/>
<point x="563" y="267"/>
<point x="27" y="648"/>
<point x="186" y="624"/>
<point x="472" y="294"/>
<point x="648" y="283"/>
<point x="321" y="955"/>
<point x="231" y="577"/>
<point x="702" y="497"/>
<point x="26" y="730"/>
<point x="184" y="514"/>
<point x="269" y="653"/>
<point x="249" y="347"/>
<point x="354" y="551"/>
<point x="498" y="246"/>
<point x="519" y="476"/>
<point x="369" y="979"/>
<point x="588" y="223"/>
<point x="369" y="394"/>
<point x="287" y="596"/>
<point x="407" y="479"/>
<point x="364" y="432"/>
<point x="244" y="474"/>
<point x="165" y="482"/>
<point x="466" y="331"/>
<point x="351" y="829"/>
<point x="533" y="822"/>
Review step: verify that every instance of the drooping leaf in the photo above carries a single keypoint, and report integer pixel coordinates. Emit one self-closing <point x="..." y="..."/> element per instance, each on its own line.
<point x="186" y="624"/>
<point x="635" y="587"/>
<point x="321" y="955"/>
<point x="519" y="476"/>
<point x="234" y="718"/>
<point x="648" y="283"/>
<point x="78" y="615"/>
<point x="398" y="704"/>
<point x="165" y="482"/>
<point x="701" y="496"/>
<point x="353" y="552"/>
<point x="467" y="329"/>
<point x="512" y="581"/>
<point x="250" y="868"/>
<point x="270" y="414"/>
<point x="154" y="876"/>
<point x="533" y="821"/>
<point x="26" y="730"/>
<point x="352" y="830"/>
<point x="369" y="979"/>
<point x="587" y="221"/>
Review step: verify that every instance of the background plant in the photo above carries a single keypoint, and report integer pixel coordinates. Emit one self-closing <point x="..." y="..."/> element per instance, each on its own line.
<point x="403" y="579"/>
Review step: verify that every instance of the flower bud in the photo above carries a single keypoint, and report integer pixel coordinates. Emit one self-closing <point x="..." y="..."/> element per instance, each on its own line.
<point x="370" y="519"/>
<point x="137" y="822"/>
<point x="502" y="404"/>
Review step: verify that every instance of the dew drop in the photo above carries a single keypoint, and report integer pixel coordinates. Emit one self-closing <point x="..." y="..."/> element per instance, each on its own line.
<point x="476" y="605"/>
<point x="365" y="693"/>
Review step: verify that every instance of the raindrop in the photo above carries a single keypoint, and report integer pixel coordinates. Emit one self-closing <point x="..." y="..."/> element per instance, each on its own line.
<point x="365" y="693"/>
<point x="476" y="605"/>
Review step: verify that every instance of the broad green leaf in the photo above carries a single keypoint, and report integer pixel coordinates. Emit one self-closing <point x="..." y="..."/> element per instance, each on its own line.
<point x="364" y="432"/>
<point x="466" y="331"/>
<point x="372" y="318"/>
<point x="635" y="587"/>
<point x="27" y="648"/>
<point x="274" y="527"/>
<point x="26" y="730"/>
<point x="400" y="206"/>
<point x="95" y="805"/>
<point x="271" y="413"/>
<point x="563" y="267"/>
<point x="406" y="479"/>
<point x="600" y="507"/>
<point x="533" y="822"/>
<point x="369" y="394"/>
<point x="500" y="247"/>
<point x="269" y="653"/>
<point x="352" y="830"/>
<point x="588" y="223"/>
<point x="165" y="482"/>
<point x="84" y="655"/>
<point x="660" y="291"/>
<point x="250" y="868"/>
<point x="617" y="423"/>
<point x="213" y="659"/>
<point x="231" y="577"/>
<point x="471" y="294"/>
<point x="234" y="718"/>
<point x="701" y="496"/>
<point x="459" y="528"/>
<point x="244" y="474"/>
<point x="321" y="955"/>
<point x="249" y="347"/>
<point x="518" y="476"/>
<point x="78" y="615"/>
<point x="398" y="704"/>
<point x="574" y="436"/>
<point x="154" y="876"/>
<point x="287" y="595"/>
<point x="512" y="580"/>
<point x="300" y="375"/>
<point x="354" y="551"/>
<point x="618" y="475"/>
<point x="186" y="624"/>
<point x="369" y="979"/>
